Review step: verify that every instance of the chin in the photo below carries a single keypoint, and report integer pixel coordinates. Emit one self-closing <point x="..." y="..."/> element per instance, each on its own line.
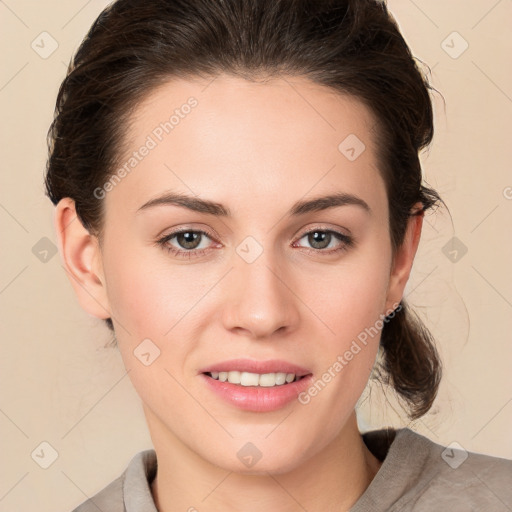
<point x="260" y="465"/>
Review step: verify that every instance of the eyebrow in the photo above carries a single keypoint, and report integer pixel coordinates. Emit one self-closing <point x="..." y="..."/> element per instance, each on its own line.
<point x="299" y="208"/>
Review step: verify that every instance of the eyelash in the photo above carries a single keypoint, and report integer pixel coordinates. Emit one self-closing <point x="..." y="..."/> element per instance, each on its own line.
<point x="348" y="242"/>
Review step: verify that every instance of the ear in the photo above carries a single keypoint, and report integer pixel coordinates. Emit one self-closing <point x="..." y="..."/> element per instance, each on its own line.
<point x="81" y="255"/>
<point x="403" y="259"/>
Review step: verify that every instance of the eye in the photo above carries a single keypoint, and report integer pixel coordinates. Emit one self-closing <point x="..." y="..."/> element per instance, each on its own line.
<point x="321" y="239"/>
<point x="188" y="242"/>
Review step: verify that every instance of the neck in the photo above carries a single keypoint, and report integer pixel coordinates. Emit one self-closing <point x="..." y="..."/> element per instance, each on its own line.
<point x="331" y="480"/>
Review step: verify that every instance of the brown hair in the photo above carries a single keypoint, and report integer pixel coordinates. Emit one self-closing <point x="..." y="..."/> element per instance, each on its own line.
<point x="351" y="46"/>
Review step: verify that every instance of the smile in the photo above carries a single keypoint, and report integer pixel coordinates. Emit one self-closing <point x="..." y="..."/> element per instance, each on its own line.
<point x="254" y="379"/>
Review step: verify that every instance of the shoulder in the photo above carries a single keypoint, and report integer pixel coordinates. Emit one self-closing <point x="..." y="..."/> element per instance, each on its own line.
<point x="131" y="488"/>
<point x="419" y="475"/>
<point x="110" y="498"/>
<point x="459" y="478"/>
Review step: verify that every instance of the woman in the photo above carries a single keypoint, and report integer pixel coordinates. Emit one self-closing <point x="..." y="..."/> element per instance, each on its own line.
<point x="249" y="202"/>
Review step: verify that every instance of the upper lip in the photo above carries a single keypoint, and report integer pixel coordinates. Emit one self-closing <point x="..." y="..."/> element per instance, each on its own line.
<point x="252" y="366"/>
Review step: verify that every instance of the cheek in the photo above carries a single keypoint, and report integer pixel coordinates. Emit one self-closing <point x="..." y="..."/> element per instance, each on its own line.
<point x="150" y="303"/>
<point x="351" y="296"/>
<point x="153" y="298"/>
<point x="350" y="303"/>
<point x="147" y="295"/>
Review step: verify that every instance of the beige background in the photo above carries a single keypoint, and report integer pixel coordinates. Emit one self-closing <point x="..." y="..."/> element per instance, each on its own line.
<point x="61" y="385"/>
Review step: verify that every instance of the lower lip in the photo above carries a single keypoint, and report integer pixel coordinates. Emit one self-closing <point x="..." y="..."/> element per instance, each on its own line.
<point x="258" y="398"/>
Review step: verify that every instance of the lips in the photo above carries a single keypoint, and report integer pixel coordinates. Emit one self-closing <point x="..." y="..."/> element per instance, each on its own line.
<point x="256" y="398"/>
<point x="252" y="366"/>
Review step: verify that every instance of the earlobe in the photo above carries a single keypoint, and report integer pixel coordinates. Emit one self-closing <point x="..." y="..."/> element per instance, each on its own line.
<point x="81" y="257"/>
<point x="403" y="261"/>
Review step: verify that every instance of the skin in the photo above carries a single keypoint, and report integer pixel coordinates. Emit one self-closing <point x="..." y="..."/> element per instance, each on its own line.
<point x="257" y="148"/>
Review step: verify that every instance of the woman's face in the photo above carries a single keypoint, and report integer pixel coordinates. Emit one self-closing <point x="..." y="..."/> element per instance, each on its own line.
<point x="257" y="277"/>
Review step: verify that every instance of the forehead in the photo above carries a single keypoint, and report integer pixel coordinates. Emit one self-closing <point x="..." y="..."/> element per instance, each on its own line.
<point x="291" y="106"/>
<point x="282" y="136"/>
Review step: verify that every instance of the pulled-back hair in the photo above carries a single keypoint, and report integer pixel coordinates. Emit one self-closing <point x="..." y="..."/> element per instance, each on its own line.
<point x="351" y="46"/>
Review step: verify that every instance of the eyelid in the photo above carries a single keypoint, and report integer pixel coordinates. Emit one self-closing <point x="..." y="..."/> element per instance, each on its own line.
<point x="346" y="240"/>
<point x="186" y="229"/>
<point x="212" y="235"/>
<point x="324" y="227"/>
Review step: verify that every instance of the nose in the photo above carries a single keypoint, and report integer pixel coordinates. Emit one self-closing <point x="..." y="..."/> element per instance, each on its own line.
<point x="260" y="300"/>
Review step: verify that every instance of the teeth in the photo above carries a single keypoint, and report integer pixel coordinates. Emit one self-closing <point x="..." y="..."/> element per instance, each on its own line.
<point x="234" y="377"/>
<point x="281" y="378"/>
<point x="249" y="379"/>
<point x="254" y="379"/>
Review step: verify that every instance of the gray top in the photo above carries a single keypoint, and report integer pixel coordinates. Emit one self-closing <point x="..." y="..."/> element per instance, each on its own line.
<point x="417" y="475"/>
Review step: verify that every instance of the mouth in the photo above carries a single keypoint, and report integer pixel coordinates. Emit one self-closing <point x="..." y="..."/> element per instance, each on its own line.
<point x="267" y="387"/>
<point x="249" y="379"/>
<point x="256" y="373"/>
